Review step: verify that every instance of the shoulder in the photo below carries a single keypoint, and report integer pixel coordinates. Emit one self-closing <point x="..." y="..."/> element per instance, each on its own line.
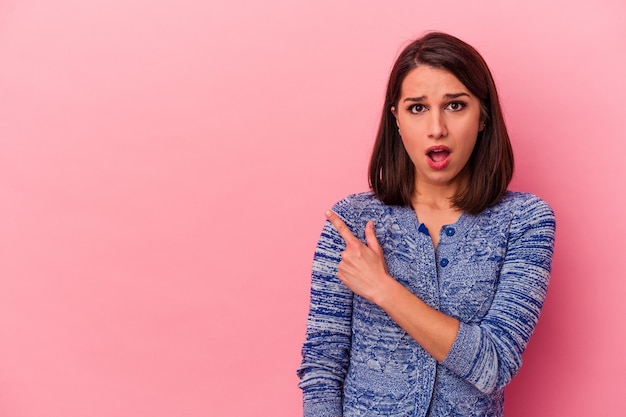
<point x="526" y="215"/>
<point x="363" y="199"/>
<point x="355" y="205"/>
<point x="515" y="214"/>
<point x="357" y="209"/>
<point x="522" y="207"/>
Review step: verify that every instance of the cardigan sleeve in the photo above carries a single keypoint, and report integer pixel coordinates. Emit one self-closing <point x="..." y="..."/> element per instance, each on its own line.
<point x="326" y="349"/>
<point x="489" y="354"/>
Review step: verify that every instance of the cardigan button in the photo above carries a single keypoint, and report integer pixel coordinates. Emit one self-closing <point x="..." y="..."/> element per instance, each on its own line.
<point x="450" y="231"/>
<point x="443" y="262"/>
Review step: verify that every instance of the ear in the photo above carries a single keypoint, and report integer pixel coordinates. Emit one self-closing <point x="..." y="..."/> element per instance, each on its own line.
<point x="395" y="114"/>
<point x="481" y="125"/>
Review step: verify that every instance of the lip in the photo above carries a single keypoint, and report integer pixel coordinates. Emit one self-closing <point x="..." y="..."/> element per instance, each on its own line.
<point x="441" y="164"/>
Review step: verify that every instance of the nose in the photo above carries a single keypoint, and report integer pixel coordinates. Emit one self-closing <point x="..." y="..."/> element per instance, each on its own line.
<point x="437" y="128"/>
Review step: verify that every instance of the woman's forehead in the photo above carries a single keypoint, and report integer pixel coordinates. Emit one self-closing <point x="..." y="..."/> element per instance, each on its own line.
<point x="430" y="82"/>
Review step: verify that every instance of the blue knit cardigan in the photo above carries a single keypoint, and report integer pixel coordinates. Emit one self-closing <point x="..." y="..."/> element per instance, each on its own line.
<point x="490" y="271"/>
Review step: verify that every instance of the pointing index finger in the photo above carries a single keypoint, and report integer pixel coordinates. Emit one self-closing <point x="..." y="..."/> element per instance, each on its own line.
<point x="341" y="227"/>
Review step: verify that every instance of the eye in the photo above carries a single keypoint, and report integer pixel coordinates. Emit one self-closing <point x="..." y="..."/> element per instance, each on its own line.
<point x="417" y="108"/>
<point x="455" y="106"/>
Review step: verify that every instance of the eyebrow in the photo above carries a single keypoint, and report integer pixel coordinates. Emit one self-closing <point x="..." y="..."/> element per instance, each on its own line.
<point x="446" y="96"/>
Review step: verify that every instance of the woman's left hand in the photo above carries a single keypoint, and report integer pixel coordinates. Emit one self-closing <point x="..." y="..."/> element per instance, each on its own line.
<point x="362" y="267"/>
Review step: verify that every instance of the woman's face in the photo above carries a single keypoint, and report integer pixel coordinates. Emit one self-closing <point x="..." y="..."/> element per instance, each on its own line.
<point x="439" y="121"/>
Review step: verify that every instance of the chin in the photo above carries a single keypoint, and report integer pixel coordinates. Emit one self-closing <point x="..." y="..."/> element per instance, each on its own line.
<point x="443" y="179"/>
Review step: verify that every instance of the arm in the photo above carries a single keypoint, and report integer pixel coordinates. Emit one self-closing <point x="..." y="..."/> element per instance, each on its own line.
<point x="487" y="354"/>
<point x="325" y="353"/>
<point x="362" y="269"/>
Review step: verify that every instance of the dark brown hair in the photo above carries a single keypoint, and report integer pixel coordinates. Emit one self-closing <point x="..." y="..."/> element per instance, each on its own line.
<point x="490" y="167"/>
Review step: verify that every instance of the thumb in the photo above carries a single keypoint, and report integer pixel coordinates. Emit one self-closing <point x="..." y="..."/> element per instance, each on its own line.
<point x="370" y="237"/>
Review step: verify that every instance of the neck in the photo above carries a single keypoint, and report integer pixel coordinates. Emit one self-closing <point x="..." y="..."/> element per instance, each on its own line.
<point x="434" y="195"/>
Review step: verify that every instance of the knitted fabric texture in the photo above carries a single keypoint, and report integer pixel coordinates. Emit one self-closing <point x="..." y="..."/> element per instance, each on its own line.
<point x="490" y="271"/>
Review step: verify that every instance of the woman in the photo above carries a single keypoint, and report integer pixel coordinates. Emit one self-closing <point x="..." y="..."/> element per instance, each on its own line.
<point x="425" y="291"/>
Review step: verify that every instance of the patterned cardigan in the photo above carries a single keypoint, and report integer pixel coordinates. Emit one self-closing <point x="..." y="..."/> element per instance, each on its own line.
<point x="490" y="271"/>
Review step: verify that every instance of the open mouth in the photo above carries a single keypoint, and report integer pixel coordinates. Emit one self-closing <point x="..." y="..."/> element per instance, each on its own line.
<point x="438" y="155"/>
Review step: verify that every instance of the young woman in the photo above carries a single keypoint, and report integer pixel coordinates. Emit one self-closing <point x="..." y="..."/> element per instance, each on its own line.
<point x="426" y="289"/>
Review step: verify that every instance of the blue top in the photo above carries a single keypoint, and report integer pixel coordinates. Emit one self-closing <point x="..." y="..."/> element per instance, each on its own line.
<point x="490" y="271"/>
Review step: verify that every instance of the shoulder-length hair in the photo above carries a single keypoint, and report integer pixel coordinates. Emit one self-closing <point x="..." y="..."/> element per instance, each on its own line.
<point x="490" y="167"/>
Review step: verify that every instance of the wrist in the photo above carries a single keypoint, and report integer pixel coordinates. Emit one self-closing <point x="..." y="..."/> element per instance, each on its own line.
<point x="387" y="292"/>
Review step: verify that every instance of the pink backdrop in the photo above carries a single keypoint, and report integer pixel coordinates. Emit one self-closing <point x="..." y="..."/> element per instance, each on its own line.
<point x="165" y="165"/>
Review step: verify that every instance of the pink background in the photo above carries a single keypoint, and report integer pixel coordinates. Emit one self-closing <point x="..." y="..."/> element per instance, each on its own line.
<point x="164" y="168"/>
